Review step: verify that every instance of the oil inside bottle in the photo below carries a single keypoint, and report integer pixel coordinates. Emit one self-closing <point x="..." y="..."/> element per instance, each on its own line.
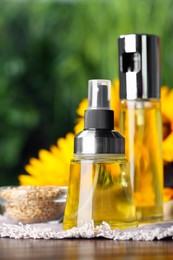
<point x="140" y="122"/>
<point x="99" y="190"/>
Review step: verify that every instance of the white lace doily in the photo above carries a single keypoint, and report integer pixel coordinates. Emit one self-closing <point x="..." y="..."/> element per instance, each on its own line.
<point x="54" y="231"/>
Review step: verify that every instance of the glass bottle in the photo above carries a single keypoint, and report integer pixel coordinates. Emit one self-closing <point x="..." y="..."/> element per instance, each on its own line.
<point x="99" y="184"/>
<point x="141" y="122"/>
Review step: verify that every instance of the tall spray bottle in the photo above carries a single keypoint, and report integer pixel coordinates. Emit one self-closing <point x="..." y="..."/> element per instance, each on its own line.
<point x="99" y="185"/>
<point x="140" y="120"/>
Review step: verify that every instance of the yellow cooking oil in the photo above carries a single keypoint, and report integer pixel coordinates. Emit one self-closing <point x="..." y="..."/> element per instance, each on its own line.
<point x="100" y="189"/>
<point x="141" y="124"/>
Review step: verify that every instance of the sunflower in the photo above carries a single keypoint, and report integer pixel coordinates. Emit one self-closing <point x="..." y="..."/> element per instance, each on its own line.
<point x="51" y="167"/>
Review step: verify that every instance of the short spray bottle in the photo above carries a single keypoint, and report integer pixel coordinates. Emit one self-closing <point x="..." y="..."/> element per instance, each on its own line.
<point x="99" y="185"/>
<point x="140" y="120"/>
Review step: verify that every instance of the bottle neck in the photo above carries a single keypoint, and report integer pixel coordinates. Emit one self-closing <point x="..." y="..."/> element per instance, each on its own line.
<point x="140" y="103"/>
<point x="121" y="158"/>
<point x="141" y="100"/>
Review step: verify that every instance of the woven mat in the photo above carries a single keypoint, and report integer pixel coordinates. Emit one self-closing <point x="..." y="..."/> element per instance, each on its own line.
<point x="54" y="231"/>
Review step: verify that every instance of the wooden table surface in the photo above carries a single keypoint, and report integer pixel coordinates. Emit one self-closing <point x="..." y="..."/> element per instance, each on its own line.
<point x="85" y="249"/>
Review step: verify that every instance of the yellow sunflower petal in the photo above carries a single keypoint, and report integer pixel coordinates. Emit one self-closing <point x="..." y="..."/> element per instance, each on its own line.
<point x="51" y="167"/>
<point x="167" y="194"/>
<point x="44" y="155"/>
<point x="31" y="170"/>
<point x="66" y="150"/>
<point x="79" y="125"/>
<point x="82" y="107"/>
<point x="167" y="102"/>
<point x="115" y="101"/>
<point x="28" y="180"/>
<point x="167" y="147"/>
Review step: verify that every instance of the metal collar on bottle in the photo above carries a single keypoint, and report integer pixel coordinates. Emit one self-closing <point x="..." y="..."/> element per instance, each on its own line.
<point x="99" y="141"/>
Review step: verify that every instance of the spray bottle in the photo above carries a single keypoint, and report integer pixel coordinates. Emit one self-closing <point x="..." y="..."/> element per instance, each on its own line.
<point x="140" y="120"/>
<point x="99" y="185"/>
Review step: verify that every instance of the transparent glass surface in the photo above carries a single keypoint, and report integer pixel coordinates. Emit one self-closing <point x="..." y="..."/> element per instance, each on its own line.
<point x="140" y="122"/>
<point x="99" y="190"/>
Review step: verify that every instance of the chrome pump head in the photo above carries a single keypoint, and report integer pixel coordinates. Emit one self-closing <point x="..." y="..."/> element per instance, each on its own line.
<point x="98" y="136"/>
<point x="139" y="66"/>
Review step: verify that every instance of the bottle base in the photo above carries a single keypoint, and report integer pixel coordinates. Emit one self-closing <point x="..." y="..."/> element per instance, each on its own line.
<point x="149" y="219"/>
<point x="113" y="224"/>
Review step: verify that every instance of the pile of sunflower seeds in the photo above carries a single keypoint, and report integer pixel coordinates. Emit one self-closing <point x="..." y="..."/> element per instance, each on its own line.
<point x="33" y="204"/>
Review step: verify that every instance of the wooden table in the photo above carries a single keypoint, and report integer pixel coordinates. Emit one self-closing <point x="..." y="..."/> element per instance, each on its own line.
<point x="85" y="249"/>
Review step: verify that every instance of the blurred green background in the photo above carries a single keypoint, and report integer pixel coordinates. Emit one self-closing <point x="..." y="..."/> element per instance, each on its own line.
<point x="48" y="51"/>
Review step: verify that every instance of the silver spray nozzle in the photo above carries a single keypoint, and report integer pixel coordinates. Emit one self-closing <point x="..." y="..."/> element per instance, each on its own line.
<point x="99" y="94"/>
<point x="139" y="66"/>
